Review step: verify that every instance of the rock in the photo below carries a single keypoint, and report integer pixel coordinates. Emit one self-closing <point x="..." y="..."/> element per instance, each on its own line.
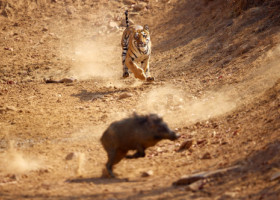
<point x="275" y="176"/>
<point x="201" y="142"/>
<point x="70" y="156"/>
<point x="129" y="2"/>
<point x="45" y="29"/>
<point x="125" y="95"/>
<point x="8" y="49"/>
<point x="5" y="109"/>
<point x="187" y="180"/>
<point x="185" y="145"/>
<point x="11" y="108"/>
<point x="64" y="80"/>
<point x="206" y="156"/>
<point x="139" y="7"/>
<point x="198" y="185"/>
<point x="147" y="173"/>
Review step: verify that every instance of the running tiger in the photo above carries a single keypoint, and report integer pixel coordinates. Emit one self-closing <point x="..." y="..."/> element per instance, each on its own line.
<point x="136" y="45"/>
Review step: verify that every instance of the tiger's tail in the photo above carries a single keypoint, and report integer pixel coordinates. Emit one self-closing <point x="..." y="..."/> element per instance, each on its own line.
<point x="126" y="18"/>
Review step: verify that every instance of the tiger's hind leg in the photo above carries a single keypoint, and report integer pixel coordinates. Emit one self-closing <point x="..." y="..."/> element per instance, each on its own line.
<point x="125" y="68"/>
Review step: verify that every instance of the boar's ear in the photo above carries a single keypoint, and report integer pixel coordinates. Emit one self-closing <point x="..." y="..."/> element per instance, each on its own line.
<point x="153" y="119"/>
<point x="150" y="121"/>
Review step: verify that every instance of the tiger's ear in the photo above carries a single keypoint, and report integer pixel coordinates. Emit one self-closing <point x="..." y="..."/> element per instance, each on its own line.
<point x="136" y="35"/>
<point x="146" y="27"/>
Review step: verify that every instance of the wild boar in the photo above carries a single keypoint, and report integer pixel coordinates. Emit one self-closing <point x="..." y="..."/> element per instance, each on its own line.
<point x="135" y="133"/>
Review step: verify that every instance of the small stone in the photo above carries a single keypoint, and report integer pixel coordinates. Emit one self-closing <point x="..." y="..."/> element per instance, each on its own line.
<point x="11" y="108"/>
<point x="147" y="173"/>
<point x="45" y="29"/>
<point x="129" y="2"/>
<point x="201" y="142"/>
<point x="139" y="7"/>
<point x="125" y="95"/>
<point x="275" y="176"/>
<point x="187" y="180"/>
<point x="206" y="156"/>
<point x="8" y="49"/>
<point x="198" y="185"/>
<point x="70" y="156"/>
<point x="185" y="145"/>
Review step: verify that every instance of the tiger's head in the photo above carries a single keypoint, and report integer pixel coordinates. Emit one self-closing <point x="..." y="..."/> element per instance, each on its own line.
<point x="142" y="38"/>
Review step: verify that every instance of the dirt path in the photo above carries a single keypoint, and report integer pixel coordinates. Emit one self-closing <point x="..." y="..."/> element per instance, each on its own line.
<point x="217" y="83"/>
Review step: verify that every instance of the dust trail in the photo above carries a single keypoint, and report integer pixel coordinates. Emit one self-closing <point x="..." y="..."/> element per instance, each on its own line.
<point x="13" y="161"/>
<point x="100" y="60"/>
<point x="96" y="59"/>
<point x="178" y="107"/>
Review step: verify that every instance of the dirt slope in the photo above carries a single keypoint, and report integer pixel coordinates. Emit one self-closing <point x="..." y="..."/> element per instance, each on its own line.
<point x="216" y="65"/>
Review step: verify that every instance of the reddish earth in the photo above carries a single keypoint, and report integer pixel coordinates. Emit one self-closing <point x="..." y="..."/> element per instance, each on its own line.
<point x="217" y="71"/>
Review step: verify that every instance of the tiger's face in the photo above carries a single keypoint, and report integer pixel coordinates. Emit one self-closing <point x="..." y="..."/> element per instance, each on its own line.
<point x="142" y="38"/>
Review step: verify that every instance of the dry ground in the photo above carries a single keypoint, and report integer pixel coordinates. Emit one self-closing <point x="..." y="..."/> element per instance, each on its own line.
<point x="217" y="71"/>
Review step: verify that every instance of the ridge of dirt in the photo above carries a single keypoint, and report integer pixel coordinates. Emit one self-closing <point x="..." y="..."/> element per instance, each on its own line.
<point x="216" y="65"/>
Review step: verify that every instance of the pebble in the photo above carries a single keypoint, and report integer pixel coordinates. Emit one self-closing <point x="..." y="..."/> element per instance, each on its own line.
<point x="139" y="7"/>
<point x="129" y="2"/>
<point x="198" y="185"/>
<point x="7" y="108"/>
<point x="125" y="95"/>
<point x="185" y="145"/>
<point x="206" y="156"/>
<point x="187" y="180"/>
<point x="275" y="176"/>
<point x="70" y="156"/>
<point x="147" y="173"/>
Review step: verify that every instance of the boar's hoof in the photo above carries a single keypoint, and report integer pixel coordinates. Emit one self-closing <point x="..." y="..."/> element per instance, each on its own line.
<point x="109" y="173"/>
<point x="138" y="154"/>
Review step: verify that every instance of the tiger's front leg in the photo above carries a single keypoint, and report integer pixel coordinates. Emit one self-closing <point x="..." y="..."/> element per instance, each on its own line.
<point x="137" y="71"/>
<point x="145" y="64"/>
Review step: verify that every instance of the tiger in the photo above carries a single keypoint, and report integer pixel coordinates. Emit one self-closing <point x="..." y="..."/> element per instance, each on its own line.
<point x="136" y="47"/>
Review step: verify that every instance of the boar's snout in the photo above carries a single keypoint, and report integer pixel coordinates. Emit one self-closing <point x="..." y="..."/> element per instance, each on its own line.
<point x="174" y="136"/>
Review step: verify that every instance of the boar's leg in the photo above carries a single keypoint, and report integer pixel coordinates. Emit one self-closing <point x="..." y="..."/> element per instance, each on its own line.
<point x="139" y="153"/>
<point x="113" y="158"/>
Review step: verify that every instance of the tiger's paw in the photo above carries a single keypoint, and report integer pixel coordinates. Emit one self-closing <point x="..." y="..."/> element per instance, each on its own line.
<point x="149" y="79"/>
<point x="125" y="74"/>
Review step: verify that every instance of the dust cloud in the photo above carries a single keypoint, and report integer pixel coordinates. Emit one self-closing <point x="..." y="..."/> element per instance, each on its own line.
<point x="180" y="107"/>
<point x="13" y="161"/>
<point x="96" y="59"/>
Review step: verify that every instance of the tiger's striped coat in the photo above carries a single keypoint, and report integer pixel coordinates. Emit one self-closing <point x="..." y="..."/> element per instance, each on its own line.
<point x="136" y="45"/>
